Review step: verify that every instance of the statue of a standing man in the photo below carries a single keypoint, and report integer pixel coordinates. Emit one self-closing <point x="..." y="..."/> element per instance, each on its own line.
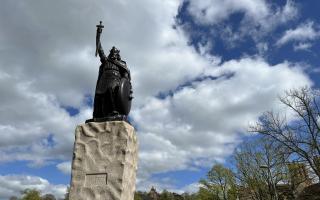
<point x="113" y="94"/>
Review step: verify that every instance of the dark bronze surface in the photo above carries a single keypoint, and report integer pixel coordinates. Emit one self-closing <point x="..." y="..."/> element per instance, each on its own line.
<point x="113" y="94"/>
<point x="125" y="96"/>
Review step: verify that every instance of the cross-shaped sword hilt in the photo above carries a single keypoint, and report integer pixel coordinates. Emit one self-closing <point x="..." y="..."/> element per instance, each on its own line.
<point x="100" y="26"/>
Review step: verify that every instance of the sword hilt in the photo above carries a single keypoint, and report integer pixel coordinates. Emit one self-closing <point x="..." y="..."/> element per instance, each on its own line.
<point x="100" y="26"/>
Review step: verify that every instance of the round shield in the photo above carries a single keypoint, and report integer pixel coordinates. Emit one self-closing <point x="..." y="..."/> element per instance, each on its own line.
<point x="124" y="96"/>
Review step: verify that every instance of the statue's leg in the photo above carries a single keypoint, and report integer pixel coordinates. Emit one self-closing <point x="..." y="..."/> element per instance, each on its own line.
<point x="97" y="106"/>
<point x="105" y="104"/>
<point x="115" y="99"/>
<point x="111" y="99"/>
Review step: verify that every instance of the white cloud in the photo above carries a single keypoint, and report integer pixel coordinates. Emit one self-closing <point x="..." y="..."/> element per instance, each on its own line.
<point x="259" y="16"/>
<point x="56" y="66"/>
<point x="35" y="126"/>
<point x="48" y="63"/>
<point x="302" y="46"/>
<point x="202" y="123"/>
<point x="304" y="32"/>
<point x="160" y="184"/>
<point x="12" y="185"/>
<point x="191" y="188"/>
<point x="65" y="167"/>
<point x="262" y="47"/>
<point x="214" y="11"/>
<point x="316" y="70"/>
<point x="168" y="184"/>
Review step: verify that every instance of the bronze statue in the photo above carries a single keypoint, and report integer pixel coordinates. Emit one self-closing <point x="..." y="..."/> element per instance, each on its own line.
<point x="113" y="94"/>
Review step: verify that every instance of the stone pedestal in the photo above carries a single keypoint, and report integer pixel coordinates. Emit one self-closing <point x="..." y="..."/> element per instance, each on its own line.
<point x="104" y="161"/>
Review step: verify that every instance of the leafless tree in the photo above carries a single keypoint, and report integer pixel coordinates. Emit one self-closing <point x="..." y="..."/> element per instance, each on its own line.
<point x="300" y="135"/>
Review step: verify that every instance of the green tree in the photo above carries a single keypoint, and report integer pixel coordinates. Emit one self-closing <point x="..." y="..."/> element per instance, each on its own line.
<point x="48" y="197"/>
<point x="187" y="196"/>
<point x="137" y="196"/>
<point x="31" y="194"/>
<point x="220" y="183"/>
<point x="165" y="195"/>
<point x="261" y="165"/>
<point x="142" y="195"/>
<point x="207" y="193"/>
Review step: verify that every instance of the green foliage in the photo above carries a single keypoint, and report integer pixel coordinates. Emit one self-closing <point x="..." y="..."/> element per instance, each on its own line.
<point x="206" y="194"/>
<point x="220" y="184"/>
<point x="137" y="196"/>
<point x="233" y="192"/>
<point x="48" y="197"/>
<point x="260" y="167"/>
<point x="31" y="194"/>
<point x="165" y="195"/>
<point x="187" y="196"/>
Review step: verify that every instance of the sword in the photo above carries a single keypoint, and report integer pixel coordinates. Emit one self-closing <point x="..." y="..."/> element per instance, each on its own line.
<point x="99" y="31"/>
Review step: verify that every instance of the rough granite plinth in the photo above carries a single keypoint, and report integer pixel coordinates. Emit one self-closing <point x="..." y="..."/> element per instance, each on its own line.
<point x="104" y="161"/>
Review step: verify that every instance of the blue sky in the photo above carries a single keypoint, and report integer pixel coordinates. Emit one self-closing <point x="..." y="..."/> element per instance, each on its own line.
<point x="202" y="71"/>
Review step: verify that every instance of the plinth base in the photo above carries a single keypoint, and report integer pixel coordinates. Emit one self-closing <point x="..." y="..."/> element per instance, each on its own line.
<point x="109" y="118"/>
<point x="104" y="161"/>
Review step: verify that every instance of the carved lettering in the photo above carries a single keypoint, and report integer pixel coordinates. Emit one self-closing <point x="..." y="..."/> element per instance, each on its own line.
<point x="96" y="179"/>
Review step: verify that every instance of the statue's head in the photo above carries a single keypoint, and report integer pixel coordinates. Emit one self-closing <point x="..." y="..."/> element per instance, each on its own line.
<point x="114" y="54"/>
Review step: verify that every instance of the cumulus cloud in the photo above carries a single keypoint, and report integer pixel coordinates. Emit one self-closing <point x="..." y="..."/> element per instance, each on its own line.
<point x="191" y="188"/>
<point x="35" y="126"/>
<point x="65" y="167"/>
<point x="304" y="32"/>
<point x="56" y="66"/>
<point x="259" y="17"/>
<point x="169" y="185"/>
<point x="212" y="11"/>
<point x="12" y="185"/>
<point x="47" y="64"/>
<point x="160" y="184"/>
<point x="201" y="123"/>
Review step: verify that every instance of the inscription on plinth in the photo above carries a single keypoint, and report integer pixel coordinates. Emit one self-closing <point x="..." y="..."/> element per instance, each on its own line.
<point x="105" y="162"/>
<point x="96" y="179"/>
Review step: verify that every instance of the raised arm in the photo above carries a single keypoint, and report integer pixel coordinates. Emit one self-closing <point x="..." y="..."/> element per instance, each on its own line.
<point x="99" y="49"/>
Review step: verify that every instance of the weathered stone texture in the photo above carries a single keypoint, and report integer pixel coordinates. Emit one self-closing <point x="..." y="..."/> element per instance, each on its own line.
<point x="104" y="162"/>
